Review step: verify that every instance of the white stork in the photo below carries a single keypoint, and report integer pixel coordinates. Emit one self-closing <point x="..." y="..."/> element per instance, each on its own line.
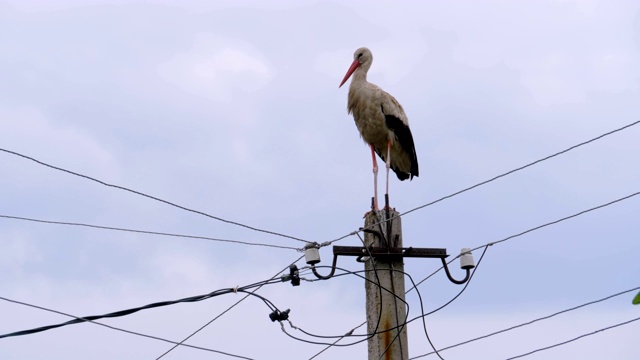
<point x="381" y="122"/>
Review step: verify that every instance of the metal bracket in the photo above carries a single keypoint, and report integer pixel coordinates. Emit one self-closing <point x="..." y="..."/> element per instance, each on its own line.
<point x="391" y="254"/>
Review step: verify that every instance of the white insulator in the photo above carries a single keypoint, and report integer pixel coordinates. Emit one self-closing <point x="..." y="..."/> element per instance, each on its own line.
<point x="466" y="259"/>
<point x="312" y="255"/>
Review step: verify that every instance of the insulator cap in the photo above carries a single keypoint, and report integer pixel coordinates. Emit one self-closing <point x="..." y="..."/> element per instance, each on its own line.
<point x="466" y="259"/>
<point x="312" y="255"/>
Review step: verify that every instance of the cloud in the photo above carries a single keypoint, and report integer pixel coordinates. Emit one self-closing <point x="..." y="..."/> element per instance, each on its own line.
<point x="216" y="68"/>
<point x="27" y="130"/>
<point x="18" y="250"/>
<point x="233" y="109"/>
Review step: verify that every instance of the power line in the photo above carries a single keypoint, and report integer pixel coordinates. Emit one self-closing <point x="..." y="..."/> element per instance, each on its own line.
<point x="145" y="307"/>
<point x="530" y="322"/>
<point x="483" y="183"/>
<point x="377" y="284"/>
<point x="490" y="180"/>
<point x="126" y="331"/>
<point x="380" y="288"/>
<point x="475" y="186"/>
<point x="424" y="324"/>
<point x="153" y="197"/>
<point x="503" y="240"/>
<point x="560" y="220"/>
<point x="350" y="333"/>
<point x="225" y="311"/>
<point x="143" y="231"/>
<point x="574" y="339"/>
<point x="534" y="229"/>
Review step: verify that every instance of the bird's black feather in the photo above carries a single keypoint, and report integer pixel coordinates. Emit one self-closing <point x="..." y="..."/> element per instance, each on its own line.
<point x="403" y="133"/>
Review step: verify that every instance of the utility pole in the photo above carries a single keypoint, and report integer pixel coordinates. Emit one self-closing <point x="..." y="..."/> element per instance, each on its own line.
<point x="383" y="255"/>
<point x="385" y="288"/>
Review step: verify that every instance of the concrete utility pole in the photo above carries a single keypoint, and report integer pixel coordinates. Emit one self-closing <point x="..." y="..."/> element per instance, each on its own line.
<point x="387" y="310"/>
<point x="383" y="256"/>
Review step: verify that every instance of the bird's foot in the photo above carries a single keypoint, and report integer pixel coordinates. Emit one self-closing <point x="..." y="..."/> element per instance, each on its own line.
<point x="370" y="213"/>
<point x="374" y="208"/>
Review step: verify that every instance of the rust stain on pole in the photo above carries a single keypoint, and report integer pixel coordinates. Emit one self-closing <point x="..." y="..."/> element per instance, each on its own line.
<point x="387" y="339"/>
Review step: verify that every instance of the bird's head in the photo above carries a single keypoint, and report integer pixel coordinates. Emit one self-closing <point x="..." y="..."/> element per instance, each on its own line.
<point x="361" y="58"/>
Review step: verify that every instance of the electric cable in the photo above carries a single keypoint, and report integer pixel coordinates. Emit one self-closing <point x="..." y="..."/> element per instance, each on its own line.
<point x="424" y="325"/>
<point x="537" y="228"/>
<point x="366" y="336"/>
<point x="575" y="338"/>
<point x="512" y="237"/>
<point x="492" y="179"/>
<point x="395" y="308"/>
<point x="153" y="197"/>
<point x="124" y="330"/>
<point x="145" y="307"/>
<point x="420" y="207"/>
<point x="561" y="220"/>
<point x="531" y="321"/>
<point x="350" y="333"/>
<point x="225" y="311"/>
<point x="375" y="272"/>
<point x="148" y="232"/>
<point x="378" y="282"/>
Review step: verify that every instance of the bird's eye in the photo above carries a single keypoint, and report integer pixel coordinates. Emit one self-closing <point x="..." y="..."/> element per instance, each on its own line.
<point x="359" y="55"/>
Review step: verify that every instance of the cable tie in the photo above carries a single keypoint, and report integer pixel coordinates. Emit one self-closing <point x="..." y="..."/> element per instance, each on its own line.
<point x="311" y="245"/>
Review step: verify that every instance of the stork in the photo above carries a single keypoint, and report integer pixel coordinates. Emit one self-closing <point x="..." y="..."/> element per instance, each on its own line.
<point x="382" y="123"/>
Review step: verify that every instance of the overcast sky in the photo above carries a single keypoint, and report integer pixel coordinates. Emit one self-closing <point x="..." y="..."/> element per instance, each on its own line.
<point x="232" y="108"/>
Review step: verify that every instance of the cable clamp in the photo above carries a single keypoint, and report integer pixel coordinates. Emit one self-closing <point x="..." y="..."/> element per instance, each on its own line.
<point x="294" y="275"/>
<point x="278" y="315"/>
<point x="235" y="289"/>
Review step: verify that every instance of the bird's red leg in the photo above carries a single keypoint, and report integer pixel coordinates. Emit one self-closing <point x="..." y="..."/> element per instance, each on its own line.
<point x="375" y="178"/>
<point x="388" y="167"/>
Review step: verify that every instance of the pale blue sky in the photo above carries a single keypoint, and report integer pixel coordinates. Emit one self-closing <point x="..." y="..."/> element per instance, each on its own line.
<point x="233" y="108"/>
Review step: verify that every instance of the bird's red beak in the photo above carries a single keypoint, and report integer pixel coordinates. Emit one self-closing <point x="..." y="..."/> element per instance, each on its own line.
<point x="353" y="68"/>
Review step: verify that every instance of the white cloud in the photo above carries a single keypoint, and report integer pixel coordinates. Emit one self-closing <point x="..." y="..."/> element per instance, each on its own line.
<point x="18" y="251"/>
<point x="215" y="67"/>
<point x="29" y="131"/>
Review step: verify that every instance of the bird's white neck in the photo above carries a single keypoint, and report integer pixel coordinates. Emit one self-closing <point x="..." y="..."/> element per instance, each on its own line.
<point x="359" y="77"/>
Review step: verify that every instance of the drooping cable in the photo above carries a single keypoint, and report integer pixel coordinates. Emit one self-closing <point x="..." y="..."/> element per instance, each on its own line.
<point x="493" y="178"/>
<point x="225" y="311"/>
<point x="153" y="197"/>
<point x="143" y="231"/>
<point x="575" y="338"/>
<point x="125" y="330"/>
<point x="145" y="307"/>
<point x="531" y="321"/>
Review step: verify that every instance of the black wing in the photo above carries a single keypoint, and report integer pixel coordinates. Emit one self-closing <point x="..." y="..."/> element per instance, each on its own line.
<point x="403" y="133"/>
